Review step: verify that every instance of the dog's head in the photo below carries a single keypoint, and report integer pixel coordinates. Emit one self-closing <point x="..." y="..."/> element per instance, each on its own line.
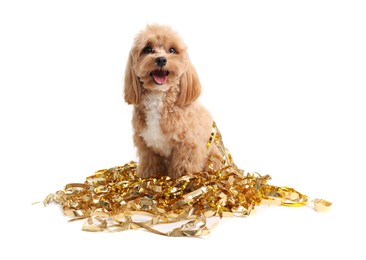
<point x="158" y="61"/>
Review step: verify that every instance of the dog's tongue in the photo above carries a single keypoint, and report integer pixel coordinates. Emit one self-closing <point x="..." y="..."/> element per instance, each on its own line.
<point x="160" y="77"/>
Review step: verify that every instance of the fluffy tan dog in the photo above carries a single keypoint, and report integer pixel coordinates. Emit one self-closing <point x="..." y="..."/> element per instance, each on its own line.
<point x="171" y="129"/>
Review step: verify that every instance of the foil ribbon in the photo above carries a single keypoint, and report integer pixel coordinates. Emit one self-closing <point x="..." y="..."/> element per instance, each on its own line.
<point x="116" y="199"/>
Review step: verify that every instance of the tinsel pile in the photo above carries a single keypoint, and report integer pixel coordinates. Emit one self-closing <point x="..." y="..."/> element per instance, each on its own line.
<point x="113" y="199"/>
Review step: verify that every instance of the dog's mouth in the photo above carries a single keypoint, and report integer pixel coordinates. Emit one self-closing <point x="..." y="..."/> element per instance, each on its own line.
<point x="160" y="76"/>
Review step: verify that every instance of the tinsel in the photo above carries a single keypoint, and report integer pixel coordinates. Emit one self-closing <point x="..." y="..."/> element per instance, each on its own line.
<point x="113" y="199"/>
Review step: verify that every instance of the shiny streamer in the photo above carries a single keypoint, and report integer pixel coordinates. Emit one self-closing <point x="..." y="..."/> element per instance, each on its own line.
<point x="112" y="199"/>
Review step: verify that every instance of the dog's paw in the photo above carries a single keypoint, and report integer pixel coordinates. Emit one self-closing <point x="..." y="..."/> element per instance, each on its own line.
<point x="150" y="170"/>
<point x="177" y="172"/>
<point x="146" y="173"/>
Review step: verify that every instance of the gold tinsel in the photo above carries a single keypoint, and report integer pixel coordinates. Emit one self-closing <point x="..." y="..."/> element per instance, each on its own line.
<point x="111" y="199"/>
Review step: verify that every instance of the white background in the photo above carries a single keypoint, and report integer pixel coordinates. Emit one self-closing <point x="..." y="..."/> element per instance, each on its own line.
<point x="284" y="81"/>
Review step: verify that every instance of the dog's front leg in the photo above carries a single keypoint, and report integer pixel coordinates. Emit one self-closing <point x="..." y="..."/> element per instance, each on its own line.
<point x="150" y="164"/>
<point x="186" y="158"/>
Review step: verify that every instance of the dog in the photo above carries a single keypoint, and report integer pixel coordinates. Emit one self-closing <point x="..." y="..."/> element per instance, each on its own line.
<point x="170" y="127"/>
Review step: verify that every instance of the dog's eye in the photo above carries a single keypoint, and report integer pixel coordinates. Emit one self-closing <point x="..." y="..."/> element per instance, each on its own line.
<point x="172" y="50"/>
<point x="147" y="50"/>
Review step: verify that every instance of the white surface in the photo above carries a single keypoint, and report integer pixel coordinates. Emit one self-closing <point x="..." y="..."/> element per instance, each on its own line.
<point x="284" y="80"/>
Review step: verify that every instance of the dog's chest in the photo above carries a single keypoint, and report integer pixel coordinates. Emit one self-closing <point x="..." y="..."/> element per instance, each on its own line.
<point x="152" y="133"/>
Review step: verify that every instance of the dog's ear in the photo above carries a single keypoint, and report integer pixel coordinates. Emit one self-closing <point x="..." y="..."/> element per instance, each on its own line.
<point x="132" y="84"/>
<point x="190" y="87"/>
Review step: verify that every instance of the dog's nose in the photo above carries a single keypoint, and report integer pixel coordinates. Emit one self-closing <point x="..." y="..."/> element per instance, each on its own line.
<point x="160" y="61"/>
